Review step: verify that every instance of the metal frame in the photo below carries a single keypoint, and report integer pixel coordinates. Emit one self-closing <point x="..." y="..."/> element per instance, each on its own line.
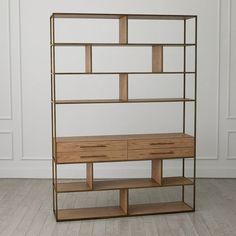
<point x="54" y="102"/>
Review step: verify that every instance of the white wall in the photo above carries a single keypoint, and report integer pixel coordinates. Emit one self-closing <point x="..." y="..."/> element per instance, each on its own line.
<point x="25" y="92"/>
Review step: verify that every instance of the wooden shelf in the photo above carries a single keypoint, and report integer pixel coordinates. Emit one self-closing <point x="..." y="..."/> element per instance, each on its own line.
<point x="121" y="72"/>
<point x="112" y="184"/>
<point x="144" y="100"/>
<point x="116" y="211"/>
<point x="72" y="187"/>
<point x="123" y="44"/>
<point x="158" y="208"/>
<point x="176" y="181"/>
<point x="90" y="213"/>
<point x="118" y="16"/>
<point x="122" y="136"/>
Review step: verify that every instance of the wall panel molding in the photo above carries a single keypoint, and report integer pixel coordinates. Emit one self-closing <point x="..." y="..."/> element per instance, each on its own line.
<point x="229" y="75"/>
<point x="8" y="143"/>
<point x="228" y="155"/>
<point x="9" y="70"/>
<point x="218" y="81"/>
<point x="22" y="156"/>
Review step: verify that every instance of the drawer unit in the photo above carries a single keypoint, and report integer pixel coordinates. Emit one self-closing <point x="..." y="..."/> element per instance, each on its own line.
<point x="161" y="153"/>
<point x="81" y="146"/>
<point x="90" y="156"/>
<point x="91" y="151"/>
<point x="160" y="143"/>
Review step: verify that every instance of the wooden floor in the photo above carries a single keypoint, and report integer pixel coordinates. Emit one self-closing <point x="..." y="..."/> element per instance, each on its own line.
<point x="25" y="209"/>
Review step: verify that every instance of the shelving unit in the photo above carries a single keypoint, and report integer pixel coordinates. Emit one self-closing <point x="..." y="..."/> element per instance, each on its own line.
<point x="113" y="148"/>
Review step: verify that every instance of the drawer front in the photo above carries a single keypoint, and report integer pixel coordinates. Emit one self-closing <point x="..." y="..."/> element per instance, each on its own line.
<point x="91" y="156"/>
<point x="160" y="143"/>
<point x="84" y="146"/>
<point x="161" y="153"/>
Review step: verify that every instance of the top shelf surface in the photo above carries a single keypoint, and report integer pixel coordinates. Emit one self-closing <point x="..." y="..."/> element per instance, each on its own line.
<point x="117" y="16"/>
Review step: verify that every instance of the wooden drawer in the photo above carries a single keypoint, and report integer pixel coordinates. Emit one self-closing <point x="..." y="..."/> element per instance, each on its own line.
<point x="84" y="146"/>
<point x="160" y="143"/>
<point x="160" y="153"/>
<point x="91" y="156"/>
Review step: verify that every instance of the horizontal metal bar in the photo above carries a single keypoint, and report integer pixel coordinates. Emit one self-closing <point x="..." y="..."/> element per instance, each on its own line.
<point x="145" y="100"/>
<point x="124" y="44"/>
<point x="112" y="73"/>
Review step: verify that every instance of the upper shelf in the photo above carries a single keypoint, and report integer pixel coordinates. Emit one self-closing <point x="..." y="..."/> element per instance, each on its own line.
<point x="117" y="16"/>
<point x="126" y="44"/>
<point x="143" y="100"/>
<point x="112" y="73"/>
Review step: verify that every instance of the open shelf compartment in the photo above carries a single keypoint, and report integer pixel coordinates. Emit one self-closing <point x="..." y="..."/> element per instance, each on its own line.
<point x="110" y="184"/>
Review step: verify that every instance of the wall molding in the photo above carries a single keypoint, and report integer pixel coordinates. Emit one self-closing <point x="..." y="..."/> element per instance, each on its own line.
<point x="9" y="117"/>
<point x="228" y="157"/>
<point x="22" y="156"/>
<point x="229" y="116"/>
<point x="218" y="80"/>
<point x="12" y="151"/>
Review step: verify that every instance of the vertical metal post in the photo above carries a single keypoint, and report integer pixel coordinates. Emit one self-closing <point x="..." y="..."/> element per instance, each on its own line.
<point x="53" y="97"/>
<point x="195" y="117"/>
<point x="52" y="133"/>
<point x="184" y="105"/>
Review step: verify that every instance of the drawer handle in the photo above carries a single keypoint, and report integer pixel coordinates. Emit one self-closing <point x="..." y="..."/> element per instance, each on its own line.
<point x="95" y="146"/>
<point x="161" y="153"/>
<point x="93" y="156"/>
<point x="162" y="143"/>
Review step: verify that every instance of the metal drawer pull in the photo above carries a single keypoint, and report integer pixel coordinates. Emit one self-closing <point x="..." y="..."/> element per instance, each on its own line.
<point x="161" y="153"/>
<point x="162" y="143"/>
<point x="95" y="156"/>
<point x="95" y="146"/>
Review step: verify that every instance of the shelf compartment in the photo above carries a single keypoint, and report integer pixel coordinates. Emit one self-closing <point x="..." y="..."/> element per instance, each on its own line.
<point x="144" y="100"/>
<point x="158" y="208"/>
<point x="125" y="184"/>
<point x="116" y="211"/>
<point x="112" y="184"/>
<point x="89" y="213"/>
<point x="72" y="187"/>
<point x="176" y="181"/>
<point x="140" y="183"/>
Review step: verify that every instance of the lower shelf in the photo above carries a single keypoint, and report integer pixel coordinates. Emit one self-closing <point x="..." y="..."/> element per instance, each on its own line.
<point x="116" y="211"/>
<point x="158" y="208"/>
<point x="111" y="184"/>
<point x="90" y="213"/>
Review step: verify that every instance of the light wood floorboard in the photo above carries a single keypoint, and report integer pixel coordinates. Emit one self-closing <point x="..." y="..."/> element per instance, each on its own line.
<point x="26" y="209"/>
